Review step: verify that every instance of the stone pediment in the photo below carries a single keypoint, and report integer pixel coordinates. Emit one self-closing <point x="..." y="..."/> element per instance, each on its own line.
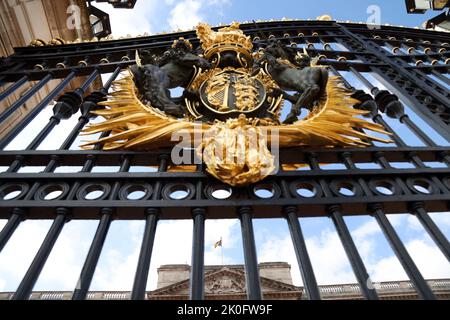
<point x="224" y="281"/>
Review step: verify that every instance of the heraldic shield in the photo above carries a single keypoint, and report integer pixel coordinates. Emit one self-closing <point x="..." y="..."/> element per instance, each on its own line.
<point x="232" y="91"/>
<point x="234" y="95"/>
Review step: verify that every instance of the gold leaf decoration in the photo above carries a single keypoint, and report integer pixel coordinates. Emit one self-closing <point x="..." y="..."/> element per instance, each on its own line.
<point x="137" y="126"/>
<point x="236" y="152"/>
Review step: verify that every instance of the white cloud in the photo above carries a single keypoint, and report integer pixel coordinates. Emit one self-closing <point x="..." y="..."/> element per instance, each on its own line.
<point x="185" y="14"/>
<point x="425" y="254"/>
<point x="387" y="269"/>
<point x="430" y="261"/>
<point x="280" y="248"/>
<point x="153" y="16"/>
<point x="442" y="219"/>
<point x="367" y="229"/>
<point x="326" y="253"/>
<point x="64" y="264"/>
<point x="134" y="21"/>
<point x="119" y="257"/>
<point x="18" y="253"/>
<point x="413" y="223"/>
<point x="173" y="245"/>
<point x="330" y="261"/>
<point x="2" y="285"/>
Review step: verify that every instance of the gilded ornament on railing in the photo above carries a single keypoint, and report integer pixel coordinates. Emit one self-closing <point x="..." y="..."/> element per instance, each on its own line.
<point x="234" y="96"/>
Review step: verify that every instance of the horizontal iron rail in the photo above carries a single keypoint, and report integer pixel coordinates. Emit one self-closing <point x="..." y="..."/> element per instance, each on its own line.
<point x="310" y="174"/>
<point x="223" y="209"/>
<point x="265" y="26"/>
<point x="109" y="67"/>
<point x="287" y="156"/>
<point x="278" y="28"/>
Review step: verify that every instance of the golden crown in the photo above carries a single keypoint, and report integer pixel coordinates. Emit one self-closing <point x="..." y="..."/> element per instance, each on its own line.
<point x="225" y="39"/>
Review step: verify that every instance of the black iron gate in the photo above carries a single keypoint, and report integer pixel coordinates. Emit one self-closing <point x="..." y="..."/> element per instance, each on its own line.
<point x="413" y="64"/>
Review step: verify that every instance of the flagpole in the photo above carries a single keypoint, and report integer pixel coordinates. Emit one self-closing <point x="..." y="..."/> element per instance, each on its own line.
<point x="221" y="248"/>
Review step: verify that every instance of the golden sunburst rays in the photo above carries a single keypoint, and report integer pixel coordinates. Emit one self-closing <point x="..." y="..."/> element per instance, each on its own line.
<point x="333" y="123"/>
<point x="225" y="146"/>
<point x="134" y="125"/>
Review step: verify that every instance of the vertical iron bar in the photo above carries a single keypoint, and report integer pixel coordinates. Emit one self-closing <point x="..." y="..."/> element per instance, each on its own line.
<point x="93" y="255"/>
<point x="87" y="273"/>
<point x="86" y="111"/>
<point x="441" y="77"/>
<point x="145" y="255"/>
<point x="38" y="263"/>
<point x="35" y="111"/>
<point x="445" y="157"/>
<point x="402" y="254"/>
<point x="418" y="63"/>
<point x="377" y="118"/>
<point x="24" y="290"/>
<point x="12" y="224"/>
<point x="196" y="291"/>
<point x="345" y="81"/>
<point x="84" y="118"/>
<point x="417" y="131"/>
<point x="403" y="118"/>
<point x="358" y="267"/>
<point x="402" y="69"/>
<point x="54" y="120"/>
<point x="363" y="79"/>
<point x="13" y="87"/>
<point x="40" y="137"/>
<point x="304" y="262"/>
<point x="11" y="109"/>
<point x="301" y="251"/>
<point x="89" y="80"/>
<point x="348" y="162"/>
<point x="113" y="77"/>
<point x="432" y="229"/>
<point x="314" y="164"/>
<point x="197" y="281"/>
<point x="250" y="258"/>
<point x="16" y="165"/>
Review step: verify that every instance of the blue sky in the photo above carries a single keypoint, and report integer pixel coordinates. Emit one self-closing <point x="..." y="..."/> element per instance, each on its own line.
<point x="169" y="14"/>
<point x="173" y="240"/>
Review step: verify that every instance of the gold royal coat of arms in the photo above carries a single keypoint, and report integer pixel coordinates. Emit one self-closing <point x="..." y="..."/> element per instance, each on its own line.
<point x="233" y="95"/>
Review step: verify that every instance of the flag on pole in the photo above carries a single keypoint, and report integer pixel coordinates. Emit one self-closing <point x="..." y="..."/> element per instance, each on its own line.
<point x="218" y="243"/>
